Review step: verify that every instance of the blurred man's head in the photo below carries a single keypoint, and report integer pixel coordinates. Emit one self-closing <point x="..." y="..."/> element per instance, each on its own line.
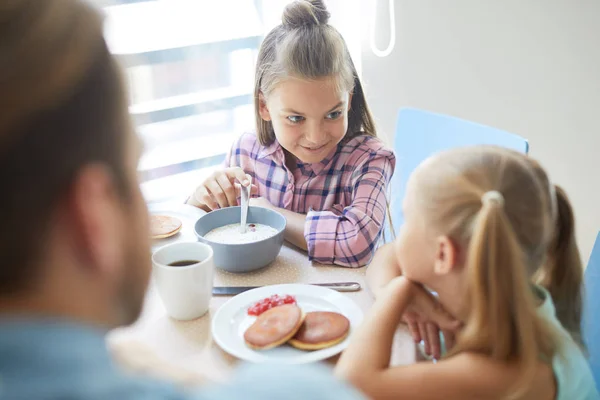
<point x="73" y="223"/>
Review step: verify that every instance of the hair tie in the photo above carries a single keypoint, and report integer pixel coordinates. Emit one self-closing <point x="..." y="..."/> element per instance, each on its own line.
<point x="493" y="196"/>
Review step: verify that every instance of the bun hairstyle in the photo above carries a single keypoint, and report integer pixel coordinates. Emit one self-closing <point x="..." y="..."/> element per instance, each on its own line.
<point x="505" y="240"/>
<point x="305" y="46"/>
<point x="63" y="107"/>
<point x="303" y="13"/>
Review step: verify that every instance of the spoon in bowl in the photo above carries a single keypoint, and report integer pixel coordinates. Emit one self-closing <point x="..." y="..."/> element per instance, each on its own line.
<point x="244" y="207"/>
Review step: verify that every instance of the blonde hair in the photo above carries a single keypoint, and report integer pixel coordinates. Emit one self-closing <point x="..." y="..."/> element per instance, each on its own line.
<point x="305" y="46"/>
<point x="505" y="241"/>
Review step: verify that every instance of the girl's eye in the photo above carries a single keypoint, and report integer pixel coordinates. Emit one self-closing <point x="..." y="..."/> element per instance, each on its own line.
<point x="295" y="119"/>
<point x="334" y="115"/>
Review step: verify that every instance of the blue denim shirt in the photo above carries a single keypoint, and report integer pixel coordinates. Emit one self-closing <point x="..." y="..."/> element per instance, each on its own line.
<point x="46" y="359"/>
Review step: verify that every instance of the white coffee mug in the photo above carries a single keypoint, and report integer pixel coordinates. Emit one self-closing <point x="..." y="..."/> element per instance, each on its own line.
<point x="185" y="290"/>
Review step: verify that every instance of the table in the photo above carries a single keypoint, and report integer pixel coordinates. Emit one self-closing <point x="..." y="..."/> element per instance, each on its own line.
<point x="189" y="345"/>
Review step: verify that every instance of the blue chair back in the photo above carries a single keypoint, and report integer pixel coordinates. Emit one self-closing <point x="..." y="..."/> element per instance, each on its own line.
<point x="591" y="311"/>
<point x="420" y="134"/>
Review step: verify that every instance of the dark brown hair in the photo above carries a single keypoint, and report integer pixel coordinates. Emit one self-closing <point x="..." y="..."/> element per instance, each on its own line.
<point x="305" y="46"/>
<point x="63" y="107"/>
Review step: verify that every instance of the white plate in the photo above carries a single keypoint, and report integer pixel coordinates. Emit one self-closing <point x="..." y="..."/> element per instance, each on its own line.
<point x="188" y="216"/>
<point x="232" y="319"/>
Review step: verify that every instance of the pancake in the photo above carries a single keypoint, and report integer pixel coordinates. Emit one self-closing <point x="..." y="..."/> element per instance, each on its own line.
<point x="163" y="226"/>
<point x="321" y="329"/>
<point x="274" y="327"/>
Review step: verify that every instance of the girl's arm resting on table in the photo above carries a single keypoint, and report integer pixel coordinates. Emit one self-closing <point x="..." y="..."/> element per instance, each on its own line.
<point x="370" y="347"/>
<point x="294" y="229"/>
<point x="345" y="236"/>
<point x="381" y="271"/>
<point x="383" y="268"/>
<point x="366" y="361"/>
<point x="348" y="235"/>
<point x="462" y="377"/>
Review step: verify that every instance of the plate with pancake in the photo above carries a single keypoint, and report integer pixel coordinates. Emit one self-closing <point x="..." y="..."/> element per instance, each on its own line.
<point x="172" y="222"/>
<point x="315" y="327"/>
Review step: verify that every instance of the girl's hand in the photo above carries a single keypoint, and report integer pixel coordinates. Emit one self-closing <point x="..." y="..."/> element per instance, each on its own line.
<point x="429" y="333"/>
<point x="429" y="309"/>
<point x="220" y="190"/>
<point x="424" y="314"/>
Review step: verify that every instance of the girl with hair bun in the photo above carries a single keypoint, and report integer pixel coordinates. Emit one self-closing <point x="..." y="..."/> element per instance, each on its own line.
<point x="315" y="156"/>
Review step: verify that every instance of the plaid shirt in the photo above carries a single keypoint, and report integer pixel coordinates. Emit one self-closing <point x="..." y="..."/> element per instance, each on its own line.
<point x="343" y="196"/>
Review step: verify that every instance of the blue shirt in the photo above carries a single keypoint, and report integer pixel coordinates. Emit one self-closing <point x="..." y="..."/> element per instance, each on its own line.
<point x="44" y="359"/>
<point x="574" y="379"/>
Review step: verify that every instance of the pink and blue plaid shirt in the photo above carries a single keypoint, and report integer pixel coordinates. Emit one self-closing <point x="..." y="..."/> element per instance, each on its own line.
<point x="343" y="196"/>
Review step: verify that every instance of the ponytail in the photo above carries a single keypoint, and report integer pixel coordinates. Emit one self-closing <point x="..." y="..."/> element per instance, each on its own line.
<point x="562" y="274"/>
<point x="503" y="323"/>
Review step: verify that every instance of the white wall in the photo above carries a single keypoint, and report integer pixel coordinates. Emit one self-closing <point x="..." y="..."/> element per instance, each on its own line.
<point x="531" y="67"/>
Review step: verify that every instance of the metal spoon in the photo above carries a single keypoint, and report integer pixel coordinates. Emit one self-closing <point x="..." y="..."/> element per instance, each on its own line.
<point x="244" y="207"/>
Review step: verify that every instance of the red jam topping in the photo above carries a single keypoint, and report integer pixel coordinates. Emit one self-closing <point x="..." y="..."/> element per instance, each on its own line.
<point x="270" y="302"/>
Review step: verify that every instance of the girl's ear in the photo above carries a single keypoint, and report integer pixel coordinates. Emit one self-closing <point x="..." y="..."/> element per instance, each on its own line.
<point x="262" y="108"/>
<point x="446" y="256"/>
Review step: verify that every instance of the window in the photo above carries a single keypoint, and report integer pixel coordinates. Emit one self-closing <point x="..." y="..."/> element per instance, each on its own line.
<point x="190" y="70"/>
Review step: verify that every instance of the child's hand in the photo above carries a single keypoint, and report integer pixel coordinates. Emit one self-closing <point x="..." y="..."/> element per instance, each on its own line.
<point x="220" y="190"/>
<point x="429" y="310"/>
<point x="426" y="318"/>
<point x="429" y="333"/>
<point x="423" y="311"/>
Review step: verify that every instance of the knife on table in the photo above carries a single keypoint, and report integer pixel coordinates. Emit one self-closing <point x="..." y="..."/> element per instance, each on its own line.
<point x="233" y="290"/>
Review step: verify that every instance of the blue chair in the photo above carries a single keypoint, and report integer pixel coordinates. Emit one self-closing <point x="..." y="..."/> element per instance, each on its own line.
<point x="591" y="311"/>
<point x="419" y="134"/>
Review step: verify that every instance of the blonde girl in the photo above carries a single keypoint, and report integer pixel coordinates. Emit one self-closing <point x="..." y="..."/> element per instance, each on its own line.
<point x="476" y="222"/>
<point x="561" y="274"/>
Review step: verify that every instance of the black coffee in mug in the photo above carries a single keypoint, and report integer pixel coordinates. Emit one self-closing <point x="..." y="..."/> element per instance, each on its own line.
<point x="183" y="263"/>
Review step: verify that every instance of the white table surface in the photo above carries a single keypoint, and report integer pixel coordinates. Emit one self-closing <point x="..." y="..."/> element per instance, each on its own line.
<point x="189" y="345"/>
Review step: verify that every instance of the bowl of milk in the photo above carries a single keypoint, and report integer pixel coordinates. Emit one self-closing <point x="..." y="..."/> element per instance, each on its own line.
<point x="237" y="251"/>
